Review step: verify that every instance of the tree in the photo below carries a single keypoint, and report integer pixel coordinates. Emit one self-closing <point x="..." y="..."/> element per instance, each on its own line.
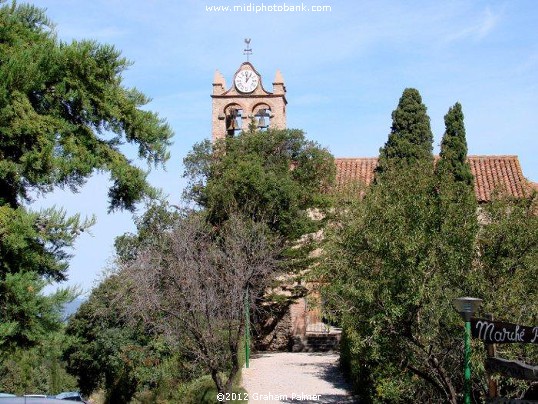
<point x="39" y="369"/>
<point x="193" y="289"/>
<point x="126" y="358"/>
<point x="410" y="139"/>
<point x="64" y="114"/>
<point x="273" y="177"/>
<point x="400" y="332"/>
<point x="507" y="272"/>
<point x="396" y="258"/>
<point x="382" y="268"/>
<point x="453" y="157"/>
<point x="456" y="200"/>
<point x="151" y="228"/>
<point x="107" y="352"/>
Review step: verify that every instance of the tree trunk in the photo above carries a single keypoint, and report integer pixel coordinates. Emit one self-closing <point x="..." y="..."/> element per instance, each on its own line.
<point x="218" y="382"/>
<point x="451" y="391"/>
<point x="234" y="370"/>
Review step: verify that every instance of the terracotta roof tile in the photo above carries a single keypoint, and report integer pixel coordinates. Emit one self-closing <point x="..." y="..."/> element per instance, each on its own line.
<point x="489" y="172"/>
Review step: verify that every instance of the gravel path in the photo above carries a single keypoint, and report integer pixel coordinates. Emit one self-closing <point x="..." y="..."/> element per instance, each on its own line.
<point x="290" y="377"/>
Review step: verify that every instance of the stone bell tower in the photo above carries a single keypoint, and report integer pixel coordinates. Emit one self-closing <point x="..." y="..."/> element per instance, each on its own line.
<point x="247" y="102"/>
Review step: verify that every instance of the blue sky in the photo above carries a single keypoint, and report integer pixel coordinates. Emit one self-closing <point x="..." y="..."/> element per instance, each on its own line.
<point x="344" y="69"/>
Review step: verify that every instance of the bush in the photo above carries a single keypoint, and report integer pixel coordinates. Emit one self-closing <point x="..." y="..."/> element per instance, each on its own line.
<point x="203" y="391"/>
<point x="37" y="370"/>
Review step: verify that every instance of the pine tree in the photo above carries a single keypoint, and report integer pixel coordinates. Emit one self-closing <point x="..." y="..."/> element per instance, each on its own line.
<point x="63" y="115"/>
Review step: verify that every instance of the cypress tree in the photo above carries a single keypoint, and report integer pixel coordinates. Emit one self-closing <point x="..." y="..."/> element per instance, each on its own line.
<point x="456" y="201"/>
<point x="385" y="268"/>
<point x="453" y="157"/>
<point x="410" y="139"/>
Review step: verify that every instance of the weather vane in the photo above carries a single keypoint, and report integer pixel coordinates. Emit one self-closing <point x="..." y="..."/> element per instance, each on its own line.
<point x="248" y="50"/>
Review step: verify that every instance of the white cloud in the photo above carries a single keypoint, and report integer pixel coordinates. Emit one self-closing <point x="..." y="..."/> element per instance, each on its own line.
<point x="478" y="29"/>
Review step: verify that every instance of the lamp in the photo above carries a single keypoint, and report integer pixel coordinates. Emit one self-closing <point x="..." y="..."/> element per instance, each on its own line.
<point x="467" y="306"/>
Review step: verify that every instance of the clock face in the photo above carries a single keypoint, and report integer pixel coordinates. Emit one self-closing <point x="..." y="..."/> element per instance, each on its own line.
<point x="246" y="81"/>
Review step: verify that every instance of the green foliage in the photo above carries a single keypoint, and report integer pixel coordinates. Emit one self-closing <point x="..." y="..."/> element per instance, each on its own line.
<point x="508" y="250"/>
<point x="151" y="228"/>
<point x="192" y="286"/>
<point x="453" y="157"/>
<point x="203" y="391"/>
<point x="383" y="268"/>
<point x="396" y="258"/>
<point x="410" y="138"/>
<point x="507" y="273"/>
<point x="64" y="113"/>
<point x="107" y="353"/>
<point x="276" y="177"/>
<point x="273" y="176"/>
<point x="27" y="316"/>
<point x="126" y="360"/>
<point x="457" y="207"/>
<point x="37" y="241"/>
<point x="38" y="370"/>
<point x="387" y="265"/>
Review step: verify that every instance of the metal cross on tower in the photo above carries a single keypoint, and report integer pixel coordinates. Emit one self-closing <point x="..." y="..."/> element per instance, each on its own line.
<point x="248" y="50"/>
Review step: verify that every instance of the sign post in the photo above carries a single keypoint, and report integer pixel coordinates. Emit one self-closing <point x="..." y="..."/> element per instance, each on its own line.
<point x="500" y="332"/>
<point x="491" y="351"/>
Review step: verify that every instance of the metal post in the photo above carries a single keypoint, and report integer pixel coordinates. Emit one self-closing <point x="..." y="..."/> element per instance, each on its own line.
<point x="247" y="330"/>
<point x="467" y="306"/>
<point x="467" y="363"/>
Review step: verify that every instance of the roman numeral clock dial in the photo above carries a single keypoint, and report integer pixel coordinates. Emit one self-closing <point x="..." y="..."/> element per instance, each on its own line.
<point x="246" y="81"/>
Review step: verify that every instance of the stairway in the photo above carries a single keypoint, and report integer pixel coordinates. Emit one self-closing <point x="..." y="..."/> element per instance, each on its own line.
<point x="318" y="338"/>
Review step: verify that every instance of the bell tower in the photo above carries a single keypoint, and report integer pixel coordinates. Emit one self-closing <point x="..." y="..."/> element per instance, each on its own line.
<point x="247" y="102"/>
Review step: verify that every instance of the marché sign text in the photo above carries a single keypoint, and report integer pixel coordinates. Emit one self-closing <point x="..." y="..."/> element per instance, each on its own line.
<point x="499" y="332"/>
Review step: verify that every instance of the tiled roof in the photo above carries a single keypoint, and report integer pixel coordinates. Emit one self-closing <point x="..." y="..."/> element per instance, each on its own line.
<point x="489" y="173"/>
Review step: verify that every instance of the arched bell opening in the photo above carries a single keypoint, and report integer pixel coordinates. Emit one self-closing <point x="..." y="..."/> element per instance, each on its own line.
<point x="262" y="116"/>
<point x="233" y="119"/>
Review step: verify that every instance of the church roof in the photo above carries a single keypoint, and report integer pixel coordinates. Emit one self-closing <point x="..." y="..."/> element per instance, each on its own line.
<point x="489" y="173"/>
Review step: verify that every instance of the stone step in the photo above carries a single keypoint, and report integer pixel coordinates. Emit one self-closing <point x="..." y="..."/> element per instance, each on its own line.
<point x="316" y="342"/>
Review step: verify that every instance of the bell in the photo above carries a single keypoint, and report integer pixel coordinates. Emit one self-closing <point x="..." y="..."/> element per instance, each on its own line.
<point x="232" y="123"/>
<point x="234" y="120"/>
<point x="261" y="122"/>
<point x="262" y="113"/>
